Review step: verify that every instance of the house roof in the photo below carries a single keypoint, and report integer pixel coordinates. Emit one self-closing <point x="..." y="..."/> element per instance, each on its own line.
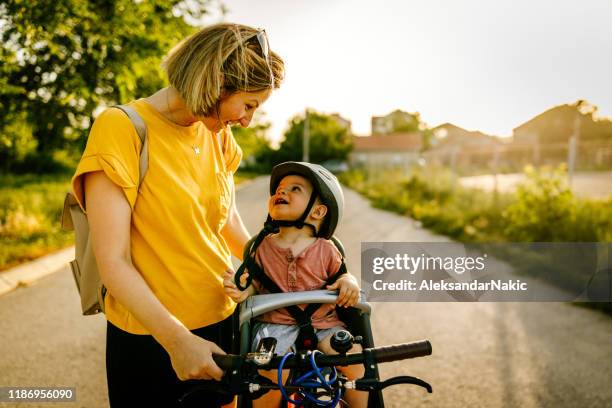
<point x="448" y="125"/>
<point x="547" y="115"/>
<point x="459" y="137"/>
<point x="411" y="142"/>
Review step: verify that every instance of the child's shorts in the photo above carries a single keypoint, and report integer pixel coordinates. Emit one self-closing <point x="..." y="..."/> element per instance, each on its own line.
<point x="285" y="335"/>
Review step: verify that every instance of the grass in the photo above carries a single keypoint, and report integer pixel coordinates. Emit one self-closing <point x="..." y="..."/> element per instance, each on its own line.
<point x="30" y="211"/>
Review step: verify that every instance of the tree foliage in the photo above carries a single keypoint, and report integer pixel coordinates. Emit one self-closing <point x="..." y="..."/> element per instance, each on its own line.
<point x="398" y="121"/>
<point x="404" y="121"/>
<point x="329" y="139"/>
<point x="62" y="59"/>
<point x="254" y="143"/>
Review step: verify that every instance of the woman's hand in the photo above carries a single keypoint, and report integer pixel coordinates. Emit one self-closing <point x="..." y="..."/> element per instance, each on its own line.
<point x="191" y="358"/>
<point x="348" y="290"/>
<point x="232" y="290"/>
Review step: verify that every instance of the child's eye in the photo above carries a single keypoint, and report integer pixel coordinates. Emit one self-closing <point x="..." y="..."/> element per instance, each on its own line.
<point x="295" y="188"/>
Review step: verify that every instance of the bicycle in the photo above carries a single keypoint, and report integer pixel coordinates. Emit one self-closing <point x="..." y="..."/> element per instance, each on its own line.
<point x="313" y="380"/>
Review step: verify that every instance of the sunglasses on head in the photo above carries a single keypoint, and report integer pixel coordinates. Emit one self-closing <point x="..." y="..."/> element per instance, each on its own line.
<point x="262" y="38"/>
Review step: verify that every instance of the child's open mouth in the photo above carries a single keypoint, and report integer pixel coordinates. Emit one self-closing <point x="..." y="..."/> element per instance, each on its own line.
<point x="280" y="201"/>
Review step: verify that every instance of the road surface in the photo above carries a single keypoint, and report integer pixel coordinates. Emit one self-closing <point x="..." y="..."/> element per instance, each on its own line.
<point x="484" y="354"/>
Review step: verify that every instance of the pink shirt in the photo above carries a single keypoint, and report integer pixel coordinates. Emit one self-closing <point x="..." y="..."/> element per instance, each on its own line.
<point x="307" y="271"/>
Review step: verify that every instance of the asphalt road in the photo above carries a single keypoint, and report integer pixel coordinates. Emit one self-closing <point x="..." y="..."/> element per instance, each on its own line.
<point x="484" y="354"/>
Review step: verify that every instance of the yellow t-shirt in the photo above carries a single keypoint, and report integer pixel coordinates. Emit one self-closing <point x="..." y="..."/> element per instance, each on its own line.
<point x="177" y="214"/>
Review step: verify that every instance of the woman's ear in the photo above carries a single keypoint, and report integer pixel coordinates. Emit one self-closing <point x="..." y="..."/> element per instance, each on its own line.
<point x="319" y="211"/>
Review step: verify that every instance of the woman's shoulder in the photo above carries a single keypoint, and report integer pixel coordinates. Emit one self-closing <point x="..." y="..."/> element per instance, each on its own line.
<point x="113" y="129"/>
<point x="112" y="115"/>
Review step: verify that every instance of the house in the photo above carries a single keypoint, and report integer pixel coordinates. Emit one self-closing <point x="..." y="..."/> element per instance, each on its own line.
<point x="397" y="121"/>
<point x="454" y="146"/>
<point x="546" y="138"/>
<point x="555" y="125"/>
<point x="399" y="150"/>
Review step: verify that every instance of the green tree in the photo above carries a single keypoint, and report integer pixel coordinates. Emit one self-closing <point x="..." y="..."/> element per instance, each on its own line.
<point x="254" y="143"/>
<point x="329" y="139"/>
<point x="399" y="121"/>
<point x="62" y="59"/>
<point x="405" y="122"/>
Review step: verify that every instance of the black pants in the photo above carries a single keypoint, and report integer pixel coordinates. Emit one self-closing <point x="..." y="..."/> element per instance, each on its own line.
<point x="140" y="374"/>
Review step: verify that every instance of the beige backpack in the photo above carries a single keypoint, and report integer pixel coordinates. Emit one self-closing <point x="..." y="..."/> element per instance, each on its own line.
<point x="84" y="267"/>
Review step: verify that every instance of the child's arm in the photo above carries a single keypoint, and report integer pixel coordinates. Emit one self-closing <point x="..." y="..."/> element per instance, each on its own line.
<point x="348" y="290"/>
<point x="232" y="291"/>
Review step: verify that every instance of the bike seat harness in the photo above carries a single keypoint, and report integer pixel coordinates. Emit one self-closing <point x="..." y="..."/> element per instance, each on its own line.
<point x="307" y="339"/>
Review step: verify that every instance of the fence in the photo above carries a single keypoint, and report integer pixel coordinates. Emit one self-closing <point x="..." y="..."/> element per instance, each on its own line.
<point x="589" y="155"/>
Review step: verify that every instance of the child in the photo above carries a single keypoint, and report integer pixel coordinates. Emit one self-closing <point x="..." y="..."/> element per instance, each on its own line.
<point x="306" y="205"/>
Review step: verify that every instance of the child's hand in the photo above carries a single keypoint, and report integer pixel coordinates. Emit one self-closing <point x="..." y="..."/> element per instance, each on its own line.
<point x="231" y="290"/>
<point x="348" y="288"/>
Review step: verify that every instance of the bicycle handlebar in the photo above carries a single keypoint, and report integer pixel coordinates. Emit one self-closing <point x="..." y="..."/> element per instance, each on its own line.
<point x="381" y="355"/>
<point x="242" y="378"/>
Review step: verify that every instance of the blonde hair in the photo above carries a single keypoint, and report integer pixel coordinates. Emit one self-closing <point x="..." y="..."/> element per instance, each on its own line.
<point x="222" y="58"/>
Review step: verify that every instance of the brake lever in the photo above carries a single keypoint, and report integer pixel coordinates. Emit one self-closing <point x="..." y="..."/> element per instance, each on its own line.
<point x="241" y="379"/>
<point x="369" y="384"/>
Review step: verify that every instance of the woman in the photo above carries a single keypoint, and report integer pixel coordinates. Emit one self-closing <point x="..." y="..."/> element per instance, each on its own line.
<point x="162" y="248"/>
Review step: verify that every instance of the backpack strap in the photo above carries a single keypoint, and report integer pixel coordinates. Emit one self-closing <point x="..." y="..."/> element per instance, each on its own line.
<point x="141" y="130"/>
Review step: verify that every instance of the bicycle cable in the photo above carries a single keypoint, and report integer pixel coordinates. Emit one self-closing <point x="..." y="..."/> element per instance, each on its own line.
<point x="313" y="379"/>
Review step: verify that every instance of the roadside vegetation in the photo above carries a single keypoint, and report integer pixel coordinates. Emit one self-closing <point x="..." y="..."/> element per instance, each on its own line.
<point x="543" y="209"/>
<point x="30" y="209"/>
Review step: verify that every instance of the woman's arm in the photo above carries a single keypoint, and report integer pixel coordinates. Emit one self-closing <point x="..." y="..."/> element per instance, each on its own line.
<point x="109" y="216"/>
<point x="234" y="231"/>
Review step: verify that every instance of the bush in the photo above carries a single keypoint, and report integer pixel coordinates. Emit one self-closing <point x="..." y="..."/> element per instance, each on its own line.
<point x="433" y="197"/>
<point x="546" y="210"/>
<point x="543" y="209"/>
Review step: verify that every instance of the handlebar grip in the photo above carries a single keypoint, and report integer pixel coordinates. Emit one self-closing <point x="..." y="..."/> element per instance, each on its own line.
<point x="402" y="351"/>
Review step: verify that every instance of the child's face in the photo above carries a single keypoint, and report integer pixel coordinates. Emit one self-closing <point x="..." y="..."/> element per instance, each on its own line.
<point x="290" y="199"/>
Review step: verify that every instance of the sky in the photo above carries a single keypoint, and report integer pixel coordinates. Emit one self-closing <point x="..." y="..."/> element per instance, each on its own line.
<point x="480" y="64"/>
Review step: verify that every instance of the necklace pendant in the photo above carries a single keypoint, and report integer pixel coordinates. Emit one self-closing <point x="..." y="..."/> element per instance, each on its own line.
<point x="196" y="149"/>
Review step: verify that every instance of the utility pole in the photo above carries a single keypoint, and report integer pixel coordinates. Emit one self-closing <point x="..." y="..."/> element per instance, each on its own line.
<point x="306" y="139"/>
<point x="572" y="150"/>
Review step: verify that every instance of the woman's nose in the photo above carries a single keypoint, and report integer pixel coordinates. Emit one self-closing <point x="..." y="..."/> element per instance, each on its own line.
<point x="246" y="119"/>
<point x="244" y="122"/>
